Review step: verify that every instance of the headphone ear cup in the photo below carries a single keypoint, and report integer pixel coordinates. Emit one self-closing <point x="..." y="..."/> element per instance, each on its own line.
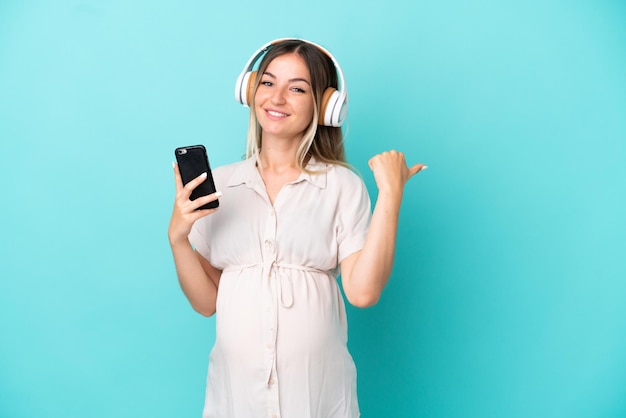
<point x="333" y="108"/>
<point x="238" y="87"/>
<point x="251" y="79"/>
<point x="326" y="105"/>
<point x="243" y="87"/>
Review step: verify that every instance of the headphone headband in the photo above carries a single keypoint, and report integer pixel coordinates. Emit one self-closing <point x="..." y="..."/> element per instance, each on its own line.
<point x="334" y="104"/>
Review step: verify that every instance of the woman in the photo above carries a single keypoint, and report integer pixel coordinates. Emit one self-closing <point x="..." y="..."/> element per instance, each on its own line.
<point x="291" y="217"/>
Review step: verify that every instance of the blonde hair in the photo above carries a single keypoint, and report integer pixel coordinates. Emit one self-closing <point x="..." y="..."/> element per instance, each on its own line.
<point x="324" y="143"/>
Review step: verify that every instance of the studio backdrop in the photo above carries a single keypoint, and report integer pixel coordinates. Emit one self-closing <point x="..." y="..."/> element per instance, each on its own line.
<point x="507" y="297"/>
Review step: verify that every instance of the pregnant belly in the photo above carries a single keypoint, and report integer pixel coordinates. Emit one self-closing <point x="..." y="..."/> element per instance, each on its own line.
<point x="288" y="313"/>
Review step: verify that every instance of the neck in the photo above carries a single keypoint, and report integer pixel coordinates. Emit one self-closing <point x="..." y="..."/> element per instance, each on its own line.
<point x="278" y="155"/>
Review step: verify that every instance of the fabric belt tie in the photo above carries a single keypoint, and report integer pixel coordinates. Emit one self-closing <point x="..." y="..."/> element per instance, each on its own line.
<point x="285" y="284"/>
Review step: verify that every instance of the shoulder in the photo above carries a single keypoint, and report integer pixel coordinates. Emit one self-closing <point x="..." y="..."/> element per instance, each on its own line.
<point x="238" y="172"/>
<point x="344" y="176"/>
<point x="352" y="195"/>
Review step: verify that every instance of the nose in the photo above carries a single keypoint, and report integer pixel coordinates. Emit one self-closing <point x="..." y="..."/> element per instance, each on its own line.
<point x="278" y="96"/>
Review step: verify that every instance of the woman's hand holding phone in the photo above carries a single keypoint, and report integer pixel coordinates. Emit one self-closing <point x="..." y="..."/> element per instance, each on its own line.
<point x="186" y="211"/>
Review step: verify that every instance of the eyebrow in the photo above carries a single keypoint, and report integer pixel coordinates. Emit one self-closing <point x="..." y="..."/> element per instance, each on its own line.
<point x="291" y="80"/>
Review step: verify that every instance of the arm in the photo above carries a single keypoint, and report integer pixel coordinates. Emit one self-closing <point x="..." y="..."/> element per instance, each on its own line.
<point x="366" y="272"/>
<point x="197" y="277"/>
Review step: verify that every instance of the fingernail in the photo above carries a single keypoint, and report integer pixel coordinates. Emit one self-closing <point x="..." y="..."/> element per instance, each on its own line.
<point x="425" y="167"/>
<point x="203" y="174"/>
<point x="173" y="164"/>
<point x="218" y="194"/>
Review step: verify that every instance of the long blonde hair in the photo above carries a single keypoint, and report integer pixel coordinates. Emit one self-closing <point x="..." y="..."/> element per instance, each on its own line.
<point x="324" y="143"/>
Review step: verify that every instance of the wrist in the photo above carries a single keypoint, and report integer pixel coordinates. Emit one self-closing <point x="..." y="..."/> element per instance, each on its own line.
<point x="178" y="241"/>
<point x="391" y="193"/>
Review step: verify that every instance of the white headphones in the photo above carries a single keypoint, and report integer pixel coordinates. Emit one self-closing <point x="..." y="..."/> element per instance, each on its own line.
<point x="334" y="103"/>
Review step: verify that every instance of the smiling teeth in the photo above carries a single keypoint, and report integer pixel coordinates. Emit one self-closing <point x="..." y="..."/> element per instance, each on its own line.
<point x="277" y="114"/>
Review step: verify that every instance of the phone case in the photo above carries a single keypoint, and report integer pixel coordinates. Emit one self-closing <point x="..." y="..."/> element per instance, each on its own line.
<point x="193" y="161"/>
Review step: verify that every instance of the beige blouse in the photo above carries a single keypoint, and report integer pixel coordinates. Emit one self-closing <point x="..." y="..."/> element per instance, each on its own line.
<point x="281" y="329"/>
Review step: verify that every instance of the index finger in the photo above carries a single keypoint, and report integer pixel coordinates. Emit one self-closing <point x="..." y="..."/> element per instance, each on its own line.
<point x="177" y="178"/>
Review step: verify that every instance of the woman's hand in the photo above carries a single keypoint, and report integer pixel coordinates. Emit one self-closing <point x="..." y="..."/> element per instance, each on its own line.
<point x="185" y="213"/>
<point x="391" y="171"/>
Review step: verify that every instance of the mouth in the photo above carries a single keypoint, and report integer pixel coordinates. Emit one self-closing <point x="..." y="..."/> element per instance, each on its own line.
<point x="274" y="114"/>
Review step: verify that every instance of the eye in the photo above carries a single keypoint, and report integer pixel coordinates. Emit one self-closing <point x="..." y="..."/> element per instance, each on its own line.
<point x="298" y="90"/>
<point x="267" y="83"/>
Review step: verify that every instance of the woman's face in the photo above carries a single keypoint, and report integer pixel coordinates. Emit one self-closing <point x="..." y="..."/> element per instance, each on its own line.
<point x="284" y="98"/>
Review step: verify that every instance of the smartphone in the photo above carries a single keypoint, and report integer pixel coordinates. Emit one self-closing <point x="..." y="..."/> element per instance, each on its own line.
<point x="193" y="161"/>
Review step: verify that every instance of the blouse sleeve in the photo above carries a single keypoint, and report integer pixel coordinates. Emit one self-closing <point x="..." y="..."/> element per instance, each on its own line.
<point x="354" y="214"/>
<point x="198" y="237"/>
<point x="201" y="231"/>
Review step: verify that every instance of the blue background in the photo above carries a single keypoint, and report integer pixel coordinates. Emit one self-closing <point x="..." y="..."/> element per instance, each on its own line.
<point x="507" y="296"/>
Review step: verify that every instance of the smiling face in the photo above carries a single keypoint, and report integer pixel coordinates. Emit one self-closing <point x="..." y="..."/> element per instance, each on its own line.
<point x="283" y="102"/>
